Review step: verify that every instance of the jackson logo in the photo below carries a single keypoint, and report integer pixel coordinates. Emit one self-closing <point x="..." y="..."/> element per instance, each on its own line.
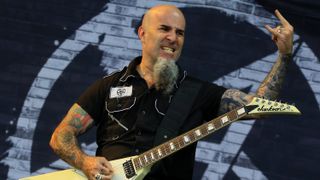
<point x="271" y="108"/>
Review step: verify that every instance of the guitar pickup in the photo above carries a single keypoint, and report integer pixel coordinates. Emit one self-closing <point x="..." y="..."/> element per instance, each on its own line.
<point x="129" y="169"/>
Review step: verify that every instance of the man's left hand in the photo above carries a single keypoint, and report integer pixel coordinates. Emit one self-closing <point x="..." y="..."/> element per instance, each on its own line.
<point x="282" y="35"/>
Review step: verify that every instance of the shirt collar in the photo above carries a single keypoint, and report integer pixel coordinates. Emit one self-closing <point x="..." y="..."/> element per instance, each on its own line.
<point x="131" y="69"/>
<point x="131" y="72"/>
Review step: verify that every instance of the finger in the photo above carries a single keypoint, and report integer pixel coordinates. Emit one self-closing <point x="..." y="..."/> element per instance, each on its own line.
<point x="271" y="30"/>
<point x="283" y="21"/>
<point x="105" y="170"/>
<point x="107" y="164"/>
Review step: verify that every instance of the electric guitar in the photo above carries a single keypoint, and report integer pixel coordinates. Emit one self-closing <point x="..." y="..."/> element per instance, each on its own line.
<point x="137" y="167"/>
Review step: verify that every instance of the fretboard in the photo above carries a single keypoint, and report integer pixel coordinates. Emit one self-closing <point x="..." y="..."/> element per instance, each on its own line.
<point x="161" y="151"/>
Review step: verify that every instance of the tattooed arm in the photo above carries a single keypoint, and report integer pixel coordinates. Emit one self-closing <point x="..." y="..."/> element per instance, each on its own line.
<point x="64" y="143"/>
<point x="271" y="85"/>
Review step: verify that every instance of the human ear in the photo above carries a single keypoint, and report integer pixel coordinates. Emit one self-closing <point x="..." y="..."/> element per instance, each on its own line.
<point x="141" y="33"/>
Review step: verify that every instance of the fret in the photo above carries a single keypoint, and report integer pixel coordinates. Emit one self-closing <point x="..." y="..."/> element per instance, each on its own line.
<point x="146" y="158"/>
<point x="186" y="139"/>
<point x="172" y="146"/>
<point x="210" y="127"/>
<point x="241" y="111"/>
<point x="141" y="162"/>
<point x="198" y="132"/>
<point x="159" y="152"/>
<point x="152" y="156"/>
<point x="224" y="119"/>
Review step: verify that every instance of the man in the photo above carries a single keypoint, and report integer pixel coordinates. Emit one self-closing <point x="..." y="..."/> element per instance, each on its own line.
<point x="128" y="106"/>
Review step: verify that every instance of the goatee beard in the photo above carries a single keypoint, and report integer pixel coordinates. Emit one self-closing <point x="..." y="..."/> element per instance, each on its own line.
<point x="165" y="74"/>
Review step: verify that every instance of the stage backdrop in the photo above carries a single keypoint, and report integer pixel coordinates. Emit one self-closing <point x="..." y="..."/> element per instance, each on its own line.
<point x="52" y="50"/>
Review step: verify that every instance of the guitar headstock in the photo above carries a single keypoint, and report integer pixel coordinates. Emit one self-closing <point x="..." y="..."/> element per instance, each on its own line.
<point x="267" y="107"/>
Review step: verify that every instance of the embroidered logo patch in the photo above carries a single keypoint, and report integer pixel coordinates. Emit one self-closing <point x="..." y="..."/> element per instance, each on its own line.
<point x="119" y="92"/>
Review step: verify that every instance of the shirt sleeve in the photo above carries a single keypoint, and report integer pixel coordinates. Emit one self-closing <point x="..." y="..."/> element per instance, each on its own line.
<point x="92" y="100"/>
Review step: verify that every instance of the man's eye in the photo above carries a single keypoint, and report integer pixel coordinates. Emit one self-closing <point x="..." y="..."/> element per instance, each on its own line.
<point x="180" y="33"/>
<point x="164" y="28"/>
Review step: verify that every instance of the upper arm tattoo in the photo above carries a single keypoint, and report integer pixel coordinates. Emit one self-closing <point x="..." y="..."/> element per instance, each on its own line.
<point x="79" y="119"/>
<point x="233" y="98"/>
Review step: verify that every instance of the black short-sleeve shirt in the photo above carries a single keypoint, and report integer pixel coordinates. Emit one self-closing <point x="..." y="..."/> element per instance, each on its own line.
<point x="127" y="114"/>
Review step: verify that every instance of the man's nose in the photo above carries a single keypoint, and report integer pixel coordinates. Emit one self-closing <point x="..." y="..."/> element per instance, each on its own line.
<point x="172" y="36"/>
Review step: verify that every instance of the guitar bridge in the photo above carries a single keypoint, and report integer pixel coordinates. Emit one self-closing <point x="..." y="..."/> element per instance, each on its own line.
<point x="129" y="169"/>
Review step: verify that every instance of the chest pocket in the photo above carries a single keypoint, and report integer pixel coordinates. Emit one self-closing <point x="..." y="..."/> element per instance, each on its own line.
<point x="116" y="108"/>
<point x="115" y="105"/>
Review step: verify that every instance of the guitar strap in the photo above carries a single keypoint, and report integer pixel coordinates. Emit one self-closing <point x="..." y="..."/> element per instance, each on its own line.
<point x="178" y="111"/>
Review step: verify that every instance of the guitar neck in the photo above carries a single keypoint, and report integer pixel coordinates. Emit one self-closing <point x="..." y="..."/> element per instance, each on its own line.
<point x="159" y="152"/>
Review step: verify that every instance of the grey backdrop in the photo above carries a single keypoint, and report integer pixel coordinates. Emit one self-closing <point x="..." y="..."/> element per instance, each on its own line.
<point x="52" y="50"/>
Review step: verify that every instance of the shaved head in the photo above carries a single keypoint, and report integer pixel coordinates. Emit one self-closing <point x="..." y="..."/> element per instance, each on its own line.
<point x="160" y="10"/>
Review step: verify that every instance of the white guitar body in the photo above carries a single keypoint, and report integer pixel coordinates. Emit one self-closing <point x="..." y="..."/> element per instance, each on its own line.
<point x="137" y="167"/>
<point x="73" y="174"/>
<point x="119" y="173"/>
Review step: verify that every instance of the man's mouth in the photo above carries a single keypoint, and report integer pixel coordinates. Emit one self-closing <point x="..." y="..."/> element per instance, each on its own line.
<point x="168" y="50"/>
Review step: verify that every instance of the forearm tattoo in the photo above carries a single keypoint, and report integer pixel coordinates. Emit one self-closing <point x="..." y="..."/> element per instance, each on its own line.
<point x="233" y="98"/>
<point x="68" y="149"/>
<point x="64" y="139"/>
<point x="269" y="88"/>
<point x="271" y="85"/>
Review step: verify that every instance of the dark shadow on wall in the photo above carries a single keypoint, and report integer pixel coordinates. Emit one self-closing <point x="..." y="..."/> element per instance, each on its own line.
<point x="27" y="34"/>
<point x="82" y="72"/>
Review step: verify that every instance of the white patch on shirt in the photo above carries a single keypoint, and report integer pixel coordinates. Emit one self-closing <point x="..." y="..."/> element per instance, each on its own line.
<point x="119" y="92"/>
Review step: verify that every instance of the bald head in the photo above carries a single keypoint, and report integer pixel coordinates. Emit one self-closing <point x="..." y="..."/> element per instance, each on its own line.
<point x="159" y="11"/>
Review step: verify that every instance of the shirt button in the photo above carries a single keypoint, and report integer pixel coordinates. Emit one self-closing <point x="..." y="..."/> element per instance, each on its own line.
<point x="143" y="112"/>
<point x="139" y="133"/>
